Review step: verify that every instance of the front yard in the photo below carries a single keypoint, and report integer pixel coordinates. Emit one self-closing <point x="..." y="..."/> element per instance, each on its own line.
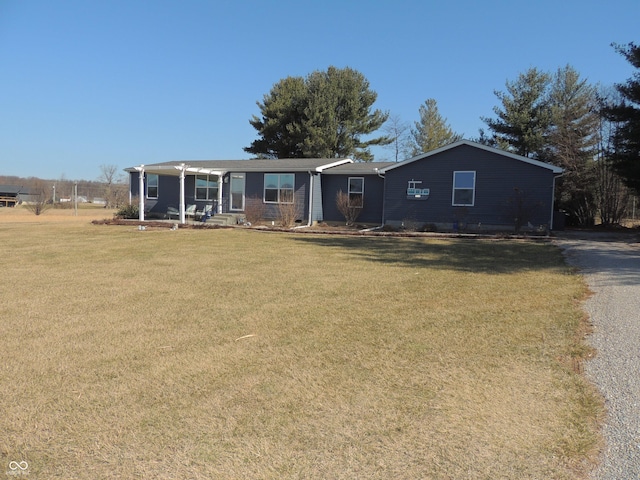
<point x="245" y="354"/>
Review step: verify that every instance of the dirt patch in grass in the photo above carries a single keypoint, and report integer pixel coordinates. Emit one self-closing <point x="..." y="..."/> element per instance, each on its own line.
<point x="228" y="353"/>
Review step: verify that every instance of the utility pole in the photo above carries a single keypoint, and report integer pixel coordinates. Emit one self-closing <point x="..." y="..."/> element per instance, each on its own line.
<point x="75" y="197"/>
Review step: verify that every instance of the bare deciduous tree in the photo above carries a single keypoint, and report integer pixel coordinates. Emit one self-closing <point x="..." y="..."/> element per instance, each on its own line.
<point x="115" y="188"/>
<point x="612" y="195"/>
<point x="398" y="131"/>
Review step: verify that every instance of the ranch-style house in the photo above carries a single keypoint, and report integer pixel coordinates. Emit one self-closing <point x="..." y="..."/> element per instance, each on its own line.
<point x="461" y="185"/>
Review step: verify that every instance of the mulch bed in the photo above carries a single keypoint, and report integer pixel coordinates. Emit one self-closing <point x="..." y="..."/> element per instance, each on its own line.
<point x="321" y="229"/>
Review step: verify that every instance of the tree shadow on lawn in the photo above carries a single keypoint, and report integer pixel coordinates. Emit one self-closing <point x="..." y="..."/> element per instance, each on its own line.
<point x="466" y="255"/>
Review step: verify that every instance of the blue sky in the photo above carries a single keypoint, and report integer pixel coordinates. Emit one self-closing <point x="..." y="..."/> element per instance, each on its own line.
<point x="123" y="82"/>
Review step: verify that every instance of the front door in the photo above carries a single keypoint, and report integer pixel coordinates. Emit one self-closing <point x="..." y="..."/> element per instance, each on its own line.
<point x="237" y="192"/>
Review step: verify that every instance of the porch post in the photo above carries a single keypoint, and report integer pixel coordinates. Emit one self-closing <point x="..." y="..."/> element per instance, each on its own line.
<point x="182" y="208"/>
<point x="220" y="183"/>
<point x="141" y="192"/>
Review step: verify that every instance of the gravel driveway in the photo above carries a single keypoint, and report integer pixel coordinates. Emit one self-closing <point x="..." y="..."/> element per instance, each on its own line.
<point x="611" y="266"/>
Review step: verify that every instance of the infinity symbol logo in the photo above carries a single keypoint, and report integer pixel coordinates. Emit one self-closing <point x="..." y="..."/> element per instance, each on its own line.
<point x="18" y="465"/>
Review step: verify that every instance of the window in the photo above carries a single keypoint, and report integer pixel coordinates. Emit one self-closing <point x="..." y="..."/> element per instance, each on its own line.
<point x="206" y="187"/>
<point x="464" y="188"/>
<point x="278" y="188"/>
<point x="356" y="192"/>
<point x="152" y="185"/>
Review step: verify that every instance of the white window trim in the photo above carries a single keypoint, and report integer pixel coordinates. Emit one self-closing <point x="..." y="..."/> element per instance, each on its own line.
<point x="195" y="188"/>
<point x="453" y="190"/>
<point x="157" y="186"/>
<point x="359" y="193"/>
<point x="279" y="175"/>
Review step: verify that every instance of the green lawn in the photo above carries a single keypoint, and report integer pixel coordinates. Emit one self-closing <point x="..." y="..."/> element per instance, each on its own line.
<point x="244" y="354"/>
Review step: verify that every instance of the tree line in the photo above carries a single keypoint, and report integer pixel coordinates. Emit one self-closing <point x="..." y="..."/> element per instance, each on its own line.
<point x="592" y="132"/>
<point x="111" y="189"/>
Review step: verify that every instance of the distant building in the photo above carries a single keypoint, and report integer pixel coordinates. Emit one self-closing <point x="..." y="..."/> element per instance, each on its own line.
<point x="12" y="195"/>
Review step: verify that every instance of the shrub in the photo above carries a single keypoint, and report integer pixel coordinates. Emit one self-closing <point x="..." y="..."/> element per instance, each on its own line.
<point x="520" y="208"/>
<point x="254" y="209"/>
<point x="38" y="201"/>
<point x="349" y="208"/>
<point x="128" y="211"/>
<point x="288" y="213"/>
<point x="411" y="225"/>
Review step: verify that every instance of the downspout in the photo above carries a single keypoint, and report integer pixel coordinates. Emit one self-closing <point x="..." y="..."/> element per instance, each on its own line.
<point x="553" y="199"/>
<point x="384" y="193"/>
<point x="311" y="187"/>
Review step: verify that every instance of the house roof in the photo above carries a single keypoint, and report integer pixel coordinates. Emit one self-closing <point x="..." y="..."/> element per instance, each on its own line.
<point x="553" y="168"/>
<point x="12" y="189"/>
<point x="359" y="168"/>
<point x="218" y="167"/>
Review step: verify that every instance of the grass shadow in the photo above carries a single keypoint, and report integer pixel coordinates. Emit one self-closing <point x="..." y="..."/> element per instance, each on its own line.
<point x="465" y="255"/>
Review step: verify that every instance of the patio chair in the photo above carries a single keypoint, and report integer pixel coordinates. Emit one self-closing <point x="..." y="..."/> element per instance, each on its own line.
<point x="173" y="212"/>
<point x="190" y="211"/>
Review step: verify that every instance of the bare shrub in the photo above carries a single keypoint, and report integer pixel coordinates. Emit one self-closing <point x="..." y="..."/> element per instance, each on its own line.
<point x="520" y="208"/>
<point x="254" y="209"/>
<point x="349" y="208"/>
<point x="411" y="225"/>
<point x="38" y="201"/>
<point x="611" y="193"/>
<point x="288" y="213"/>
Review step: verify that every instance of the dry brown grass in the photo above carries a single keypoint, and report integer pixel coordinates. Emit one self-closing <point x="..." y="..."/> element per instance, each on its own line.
<point x="239" y="354"/>
<point x="86" y="212"/>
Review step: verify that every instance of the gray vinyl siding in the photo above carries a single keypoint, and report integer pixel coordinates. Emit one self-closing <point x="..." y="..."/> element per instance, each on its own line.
<point x="254" y="189"/>
<point x="497" y="177"/>
<point x="372" y="200"/>
<point x="168" y="194"/>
